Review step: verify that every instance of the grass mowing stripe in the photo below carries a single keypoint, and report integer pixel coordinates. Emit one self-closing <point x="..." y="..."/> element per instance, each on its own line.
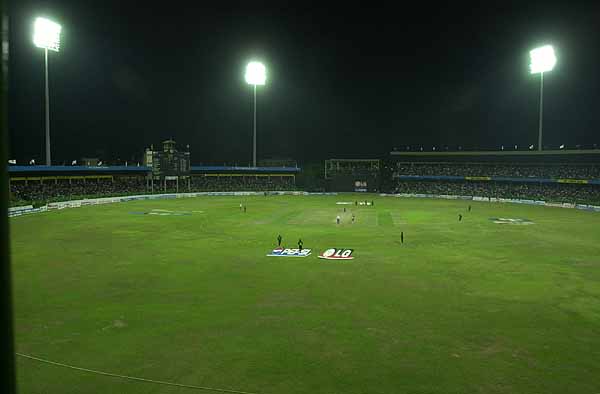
<point x="384" y="218"/>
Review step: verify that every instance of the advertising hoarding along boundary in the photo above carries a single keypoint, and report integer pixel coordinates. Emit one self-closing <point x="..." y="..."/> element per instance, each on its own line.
<point x="591" y="208"/>
<point x="23" y="210"/>
<point x="18" y="211"/>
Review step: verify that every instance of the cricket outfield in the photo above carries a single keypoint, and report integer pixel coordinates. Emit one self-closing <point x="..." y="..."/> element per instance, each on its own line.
<point x="183" y="291"/>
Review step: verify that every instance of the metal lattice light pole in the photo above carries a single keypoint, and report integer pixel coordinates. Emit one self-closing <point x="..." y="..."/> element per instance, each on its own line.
<point x="542" y="59"/>
<point x="46" y="35"/>
<point x="256" y="74"/>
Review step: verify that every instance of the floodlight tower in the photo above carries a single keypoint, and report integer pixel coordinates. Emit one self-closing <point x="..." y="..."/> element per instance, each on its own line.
<point x="46" y="35"/>
<point x="256" y="74"/>
<point x="542" y="60"/>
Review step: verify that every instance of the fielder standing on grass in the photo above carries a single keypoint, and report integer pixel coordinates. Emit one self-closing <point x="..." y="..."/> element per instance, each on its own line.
<point x="337" y="219"/>
<point x="300" y="244"/>
<point x="469" y="209"/>
<point x="401" y="237"/>
<point x="279" y="240"/>
<point x="459" y="217"/>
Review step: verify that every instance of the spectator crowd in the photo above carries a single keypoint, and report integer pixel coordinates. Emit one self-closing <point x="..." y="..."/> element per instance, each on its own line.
<point x="551" y="192"/>
<point x="62" y="189"/>
<point x="551" y="171"/>
<point x="356" y="167"/>
<point x="241" y="183"/>
<point x="36" y="192"/>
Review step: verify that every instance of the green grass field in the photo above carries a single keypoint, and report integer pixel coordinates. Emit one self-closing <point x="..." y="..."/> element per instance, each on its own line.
<point x="469" y="307"/>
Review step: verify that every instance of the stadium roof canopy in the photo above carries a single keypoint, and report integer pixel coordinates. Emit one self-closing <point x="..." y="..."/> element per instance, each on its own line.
<point x="587" y="155"/>
<point x="244" y="170"/>
<point x="47" y="170"/>
<point x="499" y="153"/>
<point x="53" y="170"/>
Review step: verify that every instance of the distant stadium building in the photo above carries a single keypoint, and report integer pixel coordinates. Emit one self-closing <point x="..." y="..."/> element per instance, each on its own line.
<point x="352" y="175"/>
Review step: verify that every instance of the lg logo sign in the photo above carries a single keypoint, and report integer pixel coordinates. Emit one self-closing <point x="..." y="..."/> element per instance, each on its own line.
<point x="337" y="254"/>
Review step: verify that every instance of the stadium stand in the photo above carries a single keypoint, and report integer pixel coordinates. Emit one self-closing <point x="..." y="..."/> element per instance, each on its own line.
<point x="61" y="189"/>
<point x="41" y="184"/>
<point x="246" y="183"/>
<point x="552" y="192"/>
<point x="518" y="170"/>
<point x="555" y="176"/>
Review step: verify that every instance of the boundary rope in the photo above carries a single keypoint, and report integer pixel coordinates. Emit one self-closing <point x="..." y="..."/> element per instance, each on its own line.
<point x="114" y="375"/>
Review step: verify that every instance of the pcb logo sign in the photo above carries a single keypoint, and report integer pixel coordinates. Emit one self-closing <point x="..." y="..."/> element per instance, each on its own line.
<point x="281" y="252"/>
<point x="337" y="254"/>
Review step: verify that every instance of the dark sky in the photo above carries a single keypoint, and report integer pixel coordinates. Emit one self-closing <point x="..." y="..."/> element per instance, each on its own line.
<point x="342" y="81"/>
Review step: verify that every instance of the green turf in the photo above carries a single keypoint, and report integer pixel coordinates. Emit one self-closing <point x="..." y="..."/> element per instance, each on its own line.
<point x="470" y="307"/>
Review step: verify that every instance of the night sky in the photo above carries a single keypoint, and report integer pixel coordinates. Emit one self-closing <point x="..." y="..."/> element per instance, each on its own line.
<point x="342" y="81"/>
